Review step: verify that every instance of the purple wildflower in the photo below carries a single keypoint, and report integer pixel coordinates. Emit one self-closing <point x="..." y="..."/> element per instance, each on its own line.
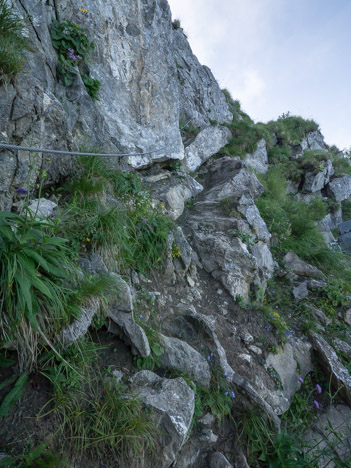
<point x="144" y="220"/>
<point x="319" y="388"/>
<point x="232" y="395"/>
<point x="301" y="379"/>
<point x="227" y="378"/>
<point x="166" y="212"/>
<point x="211" y="354"/>
<point x="208" y="358"/>
<point x="316" y="403"/>
<point x="140" y="316"/>
<point x="151" y="228"/>
<point x="226" y="393"/>
<point x="22" y="191"/>
<point x="225" y="374"/>
<point x="218" y="386"/>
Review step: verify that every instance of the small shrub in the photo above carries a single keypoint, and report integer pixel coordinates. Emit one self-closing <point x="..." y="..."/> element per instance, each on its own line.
<point x="13" y="44"/>
<point x="73" y="48"/>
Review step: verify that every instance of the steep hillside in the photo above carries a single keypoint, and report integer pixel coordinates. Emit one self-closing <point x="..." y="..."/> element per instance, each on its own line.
<point x="187" y="304"/>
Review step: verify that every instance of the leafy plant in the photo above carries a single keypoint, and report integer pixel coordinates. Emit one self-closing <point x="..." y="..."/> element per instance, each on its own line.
<point x="39" y="457"/>
<point x="248" y="239"/>
<point x="33" y="297"/>
<point x="73" y="48"/>
<point x="14" y="394"/>
<point x="13" y="43"/>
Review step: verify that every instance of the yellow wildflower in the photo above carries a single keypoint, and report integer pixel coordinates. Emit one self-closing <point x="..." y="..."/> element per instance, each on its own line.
<point x="83" y="10"/>
<point x="87" y="239"/>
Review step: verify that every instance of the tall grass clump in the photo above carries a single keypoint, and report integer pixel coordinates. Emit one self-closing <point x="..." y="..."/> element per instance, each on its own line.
<point x="112" y="212"/>
<point x="13" y="43"/>
<point x="34" y="270"/>
<point x="100" y="419"/>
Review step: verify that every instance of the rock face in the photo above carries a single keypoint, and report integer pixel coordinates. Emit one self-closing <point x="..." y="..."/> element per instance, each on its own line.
<point x="233" y="249"/>
<point x="143" y="92"/>
<point x="258" y="160"/>
<point x="172" y="403"/>
<point x="207" y="142"/>
<point x="180" y="356"/>
<point x="315" y="182"/>
<point x="340" y="188"/>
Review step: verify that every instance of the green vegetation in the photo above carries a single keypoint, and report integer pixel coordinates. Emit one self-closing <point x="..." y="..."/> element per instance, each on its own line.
<point x="34" y="298"/>
<point x="73" y="48"/>
<point x="134" y="233"/>
<point x="96" y="414"/>
<point x="291" y="129"/>
<point x="38" y="457"/>
<point x="289" y="448"/>
<point x="13" y="43"/>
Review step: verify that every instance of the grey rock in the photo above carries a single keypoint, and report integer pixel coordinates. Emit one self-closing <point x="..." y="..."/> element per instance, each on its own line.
<point x="315" y="182"/>
<point x="207" y="420"/>
<point x="93" y="264"/>
<point x="316" y="284"/>
<point x="330" y="436"/>
<point x="331" y="220"/>
<point x="255" y="350"/>
<point x="231" y="179"/>
<point x="208" y="436"/>
<point x="315" y="141"/>
<point x="264" y="258"/>
<point x="347" y="317"/>
<point x="182" y="357"/>
<point x="253" y="217"/>
<point x="175" y="191"/>
<point x="285" y="364"/>
<point x="79" y="327"/>
<point x="328" y="358"/>
<point x="342" y="347"/>
<point x="42" y="208"/>
<point x="296" y="265"/>
<point x="187" y="255"/>
<point x="300" y="292"/>
<point x="340" y="188"/>
<point x="207" y="324"/>
<point x="218" y="460"/>
<point x="200" y="98"/>
<point x="122" y="298"/>
<point x="208" y="142"/>
<point x="246" y="337"/>
<point x="123" y="325"/>
<point x="172" y="403"/>
<point x="318" y="314"/>
<point x="258" y="160"/>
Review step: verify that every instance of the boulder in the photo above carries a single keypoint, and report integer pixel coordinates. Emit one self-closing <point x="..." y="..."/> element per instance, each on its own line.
<point x="347" y="317"/>
<point x="340" y="188"/>
<point x="258" y="160"/>
<point x="208" y="142"/>
<point x="93" y="264"/>
<point x="299" y="267"/>
<point x="172" y="403"/>
<point x="123" y="325"/>
<point x="122" y="298"/>
<point x="300" y="292"/>
<point x="342" y="347"/>
<point x="180" y="356"/>
<point x="328" y="358"/>
<point x="79" y="327"/>
<point x="42" y="208"/>
<point x="315" y="182"/>
<point x="285" y="364"/>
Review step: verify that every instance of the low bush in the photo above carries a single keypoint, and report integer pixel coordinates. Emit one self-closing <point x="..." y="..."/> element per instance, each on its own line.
<point x="291" y="129"/>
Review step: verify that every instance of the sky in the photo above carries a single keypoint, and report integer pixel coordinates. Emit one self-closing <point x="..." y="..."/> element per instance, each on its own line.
<point x="278" y="56"/>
